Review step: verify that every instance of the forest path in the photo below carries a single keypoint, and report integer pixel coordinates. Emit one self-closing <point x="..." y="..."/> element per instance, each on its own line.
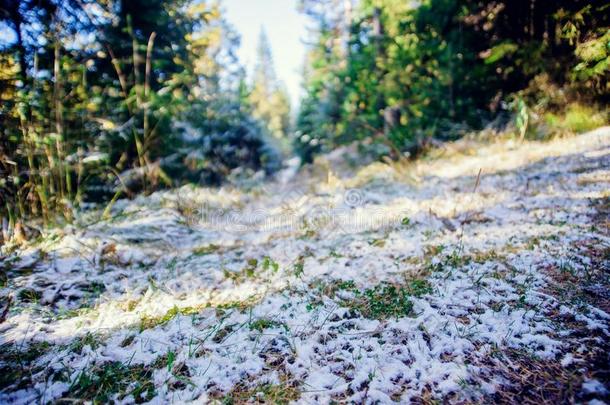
<point x="479" y="276"/>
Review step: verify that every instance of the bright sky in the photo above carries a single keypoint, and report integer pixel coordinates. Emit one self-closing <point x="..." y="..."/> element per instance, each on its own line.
<point x="285" y="29"/>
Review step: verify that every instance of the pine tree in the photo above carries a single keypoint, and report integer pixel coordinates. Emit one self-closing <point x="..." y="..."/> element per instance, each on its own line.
<point x="268" y="97"/>
<point x="319" y="117"/>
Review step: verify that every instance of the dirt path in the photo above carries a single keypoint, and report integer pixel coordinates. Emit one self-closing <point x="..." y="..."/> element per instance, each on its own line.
<point x="381" y="285"/>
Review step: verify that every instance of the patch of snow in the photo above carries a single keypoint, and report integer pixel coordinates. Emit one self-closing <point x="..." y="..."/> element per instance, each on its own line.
<point x="184" y="254"/>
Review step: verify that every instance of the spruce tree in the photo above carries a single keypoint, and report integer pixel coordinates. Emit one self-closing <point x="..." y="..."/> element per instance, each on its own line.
<point x="268" y="97"/>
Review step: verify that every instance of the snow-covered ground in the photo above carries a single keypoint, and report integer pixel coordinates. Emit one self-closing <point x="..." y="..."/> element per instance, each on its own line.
<point x="477" y="277"/>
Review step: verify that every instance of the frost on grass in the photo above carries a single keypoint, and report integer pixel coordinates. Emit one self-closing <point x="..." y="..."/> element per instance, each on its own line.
<point x="366" y="287"/>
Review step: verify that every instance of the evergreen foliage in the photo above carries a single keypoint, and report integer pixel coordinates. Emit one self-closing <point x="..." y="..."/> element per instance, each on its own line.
<point x="268" y="98"/>
<point x="102" y="99"/>
<point x="395" y="73"/>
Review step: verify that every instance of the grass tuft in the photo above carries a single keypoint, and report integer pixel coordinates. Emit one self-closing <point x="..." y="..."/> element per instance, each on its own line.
<point x="382" y="301"/>
<point x="17" y="364"/>
<point x="29" y="295"/>
<point x="205" y="250"/>
<point x="89" y="339"/>
<point x="264" y="323"/>
<point x="253" y="269"/>
<point x="102" y="383"/>
<point x="148" y="322"/>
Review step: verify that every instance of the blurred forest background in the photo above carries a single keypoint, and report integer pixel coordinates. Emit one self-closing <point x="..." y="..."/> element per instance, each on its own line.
<point x="107" y="99"/>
